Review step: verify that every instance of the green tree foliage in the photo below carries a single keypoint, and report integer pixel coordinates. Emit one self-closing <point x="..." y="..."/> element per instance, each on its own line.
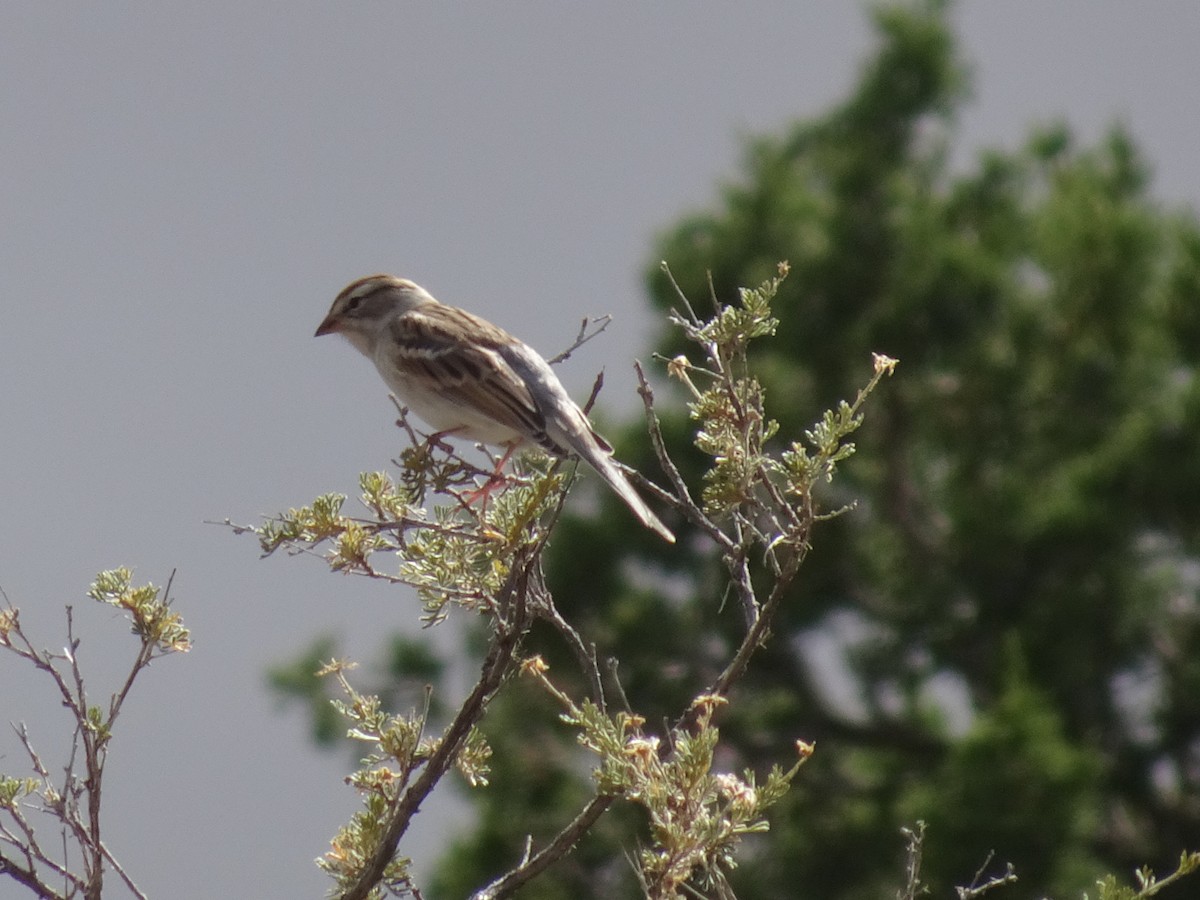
<point x="1003" y="637"/>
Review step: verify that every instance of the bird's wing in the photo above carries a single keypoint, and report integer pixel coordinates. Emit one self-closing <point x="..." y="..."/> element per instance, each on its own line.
<point x="430" y="345"/>
<point x="568" y="427"/>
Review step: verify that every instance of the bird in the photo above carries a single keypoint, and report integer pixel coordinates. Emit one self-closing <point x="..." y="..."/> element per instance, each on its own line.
<point x="469" y="378"/>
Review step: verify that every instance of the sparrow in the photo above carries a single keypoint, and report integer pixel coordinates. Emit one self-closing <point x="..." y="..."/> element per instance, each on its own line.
<point x="469" y="378"/>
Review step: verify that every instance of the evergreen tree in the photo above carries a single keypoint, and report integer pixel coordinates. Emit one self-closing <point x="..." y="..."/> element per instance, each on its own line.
<point x="1003" y="637"/>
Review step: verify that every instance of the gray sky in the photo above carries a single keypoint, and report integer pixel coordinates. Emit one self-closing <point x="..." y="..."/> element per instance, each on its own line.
<point x="186" y="186"/>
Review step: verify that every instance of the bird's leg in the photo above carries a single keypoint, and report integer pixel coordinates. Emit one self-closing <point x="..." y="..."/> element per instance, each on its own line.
<point x="495" y="479"/>
<point x="435" y="440"/>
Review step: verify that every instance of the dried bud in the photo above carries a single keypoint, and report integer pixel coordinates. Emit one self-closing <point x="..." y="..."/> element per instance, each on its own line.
<point x="642" y="749"/>
<point x="883" y="364"/>
<point x="535" y="665"/>
<point x="742" y="798"/>
<point x="677" y="368"/>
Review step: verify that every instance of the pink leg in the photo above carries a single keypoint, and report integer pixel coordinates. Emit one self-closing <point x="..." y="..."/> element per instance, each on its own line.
<point x="494" y="480"/>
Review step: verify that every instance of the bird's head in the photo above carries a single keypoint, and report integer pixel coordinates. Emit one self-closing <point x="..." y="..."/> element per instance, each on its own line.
<point x="365" y="305"/>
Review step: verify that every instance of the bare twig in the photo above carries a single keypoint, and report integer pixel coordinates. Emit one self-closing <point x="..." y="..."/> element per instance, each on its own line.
<point x="978" y="887"/>
<point x="598" y="324"/>
<point x="27" y="876"/>
<point x="915" y="838"/>
<point x="585" y="654"/>
<point x="759" y="631"/>
<point x="691" y="316"/>
<point x="562" y="844"/>
<point x="120" y="870"/>
<point x="77" y="802"/>
<point x="597" y="386"/>
<point x="612" y="665"/>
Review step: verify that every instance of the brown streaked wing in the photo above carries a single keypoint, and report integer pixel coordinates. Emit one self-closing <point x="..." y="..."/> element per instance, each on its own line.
<point x="430" y="348"/>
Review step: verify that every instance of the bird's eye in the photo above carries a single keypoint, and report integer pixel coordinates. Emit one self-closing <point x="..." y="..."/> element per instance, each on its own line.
<point x="352" y="304"/>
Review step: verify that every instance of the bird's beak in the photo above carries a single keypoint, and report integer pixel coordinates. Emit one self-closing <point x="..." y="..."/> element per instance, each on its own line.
<point x="329" y="326"/>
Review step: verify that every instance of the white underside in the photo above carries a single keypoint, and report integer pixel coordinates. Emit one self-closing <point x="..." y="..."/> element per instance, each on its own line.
<point x="446" y="416"/>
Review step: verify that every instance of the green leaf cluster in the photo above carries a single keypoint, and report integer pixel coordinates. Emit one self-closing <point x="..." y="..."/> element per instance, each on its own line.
<point x="152" y="618"/>
<point x="697" y="817"/>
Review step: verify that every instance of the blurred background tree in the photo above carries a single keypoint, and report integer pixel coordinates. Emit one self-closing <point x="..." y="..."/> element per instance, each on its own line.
<point x="1003" y="637"/>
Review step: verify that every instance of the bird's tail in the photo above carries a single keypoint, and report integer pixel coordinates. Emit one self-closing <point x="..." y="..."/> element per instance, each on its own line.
<point x="602" y="461"/>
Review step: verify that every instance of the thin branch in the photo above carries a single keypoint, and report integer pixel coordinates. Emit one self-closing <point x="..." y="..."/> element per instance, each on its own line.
<point x="692" y="318"/>
<point x="912" y="862"/>
<point x="681" y="499"/>
<point x="27" y="877"/>
<point x="93" y="760"/>
<point x="738" y="564"/>
<point x="978" y="889"/>
<point x="612" y="664"/>
<point x="120" y="870"/>
<point x="143" y="659"/>
<point x="599" y="324"/>
<point x="759" y="631"/>
<point x="496" y="668"/>
<point x="597" y="386"/>
<point x="562" y="844"/>
<point x="585" y="654"/>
